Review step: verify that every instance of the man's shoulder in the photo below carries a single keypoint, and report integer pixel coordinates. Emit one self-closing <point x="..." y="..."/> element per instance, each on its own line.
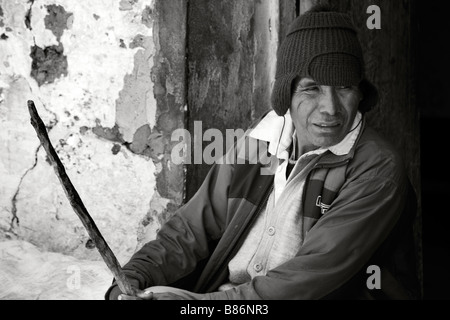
<point x="374" y="141"/>
<point x="376" y="155"/>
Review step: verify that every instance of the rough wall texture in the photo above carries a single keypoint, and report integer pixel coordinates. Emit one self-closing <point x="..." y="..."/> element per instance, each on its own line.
<point x="232" y="51"/>
<point x="169" y="78"/>
<point x="107" y="80"/>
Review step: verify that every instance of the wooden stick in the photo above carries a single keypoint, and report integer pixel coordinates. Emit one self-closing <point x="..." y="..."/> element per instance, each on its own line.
<point x="77" y="205"/>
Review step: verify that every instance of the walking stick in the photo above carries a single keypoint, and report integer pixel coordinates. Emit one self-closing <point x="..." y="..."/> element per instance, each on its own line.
<point x="77" y="205"/>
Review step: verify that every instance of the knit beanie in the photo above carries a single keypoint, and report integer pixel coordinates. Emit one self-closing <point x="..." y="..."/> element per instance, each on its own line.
<point x="322" y="45"/>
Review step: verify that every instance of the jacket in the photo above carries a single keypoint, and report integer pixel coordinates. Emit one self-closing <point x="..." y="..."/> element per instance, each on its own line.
<point x="358" y="212"/>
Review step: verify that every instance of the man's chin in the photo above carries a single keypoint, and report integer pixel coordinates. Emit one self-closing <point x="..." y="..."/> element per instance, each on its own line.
<point x="325" y="141"/>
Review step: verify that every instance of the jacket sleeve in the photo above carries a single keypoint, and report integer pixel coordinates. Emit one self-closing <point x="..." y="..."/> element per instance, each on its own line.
<point x="184" y="239"/>
<point x="336" y="247"/>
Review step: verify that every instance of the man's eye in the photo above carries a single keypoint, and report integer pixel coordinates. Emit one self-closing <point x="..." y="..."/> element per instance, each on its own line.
<point x="344" y="87"/>
<point x="310" y="89"/>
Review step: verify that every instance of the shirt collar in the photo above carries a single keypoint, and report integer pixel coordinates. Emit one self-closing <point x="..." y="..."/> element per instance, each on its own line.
<point x="279" y="131"/>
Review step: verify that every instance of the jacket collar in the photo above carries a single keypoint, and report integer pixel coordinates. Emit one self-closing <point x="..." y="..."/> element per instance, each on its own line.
<point x="279" y="132"/>
<point x="329" y="159"/>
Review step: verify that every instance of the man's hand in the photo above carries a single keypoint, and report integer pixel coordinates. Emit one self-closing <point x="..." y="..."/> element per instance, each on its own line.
<point x="139" y="295"/>
<point x="163" y="293"/>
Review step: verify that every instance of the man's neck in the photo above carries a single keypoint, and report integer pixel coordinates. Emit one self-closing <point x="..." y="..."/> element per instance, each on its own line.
<point x="300" y="148"/>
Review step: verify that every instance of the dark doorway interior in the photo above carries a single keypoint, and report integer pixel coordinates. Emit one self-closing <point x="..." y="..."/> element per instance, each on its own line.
<point x="433" y="85"/>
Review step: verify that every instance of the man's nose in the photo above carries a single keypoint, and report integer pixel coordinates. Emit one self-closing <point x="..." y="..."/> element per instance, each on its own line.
<point x="329" y="102"/>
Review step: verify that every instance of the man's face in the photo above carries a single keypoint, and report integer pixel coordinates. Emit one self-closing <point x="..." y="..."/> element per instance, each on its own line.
<point x="322" y="115"/>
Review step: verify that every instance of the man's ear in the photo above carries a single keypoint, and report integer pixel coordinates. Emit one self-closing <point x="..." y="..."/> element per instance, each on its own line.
<point x="370" y="96"/>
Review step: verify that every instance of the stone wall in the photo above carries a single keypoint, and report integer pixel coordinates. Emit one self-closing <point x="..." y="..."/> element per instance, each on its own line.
<point x="107" y="79"/>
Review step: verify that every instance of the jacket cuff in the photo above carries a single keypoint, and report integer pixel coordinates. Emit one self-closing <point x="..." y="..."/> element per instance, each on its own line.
<point x="114" y="291"/>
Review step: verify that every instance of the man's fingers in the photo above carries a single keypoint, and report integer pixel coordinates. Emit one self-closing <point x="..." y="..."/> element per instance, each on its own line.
<point x="140" y="295"/>
<point x="166" y="296"/>
<point x="145" y="295"/>
<point x="127" y="297"/>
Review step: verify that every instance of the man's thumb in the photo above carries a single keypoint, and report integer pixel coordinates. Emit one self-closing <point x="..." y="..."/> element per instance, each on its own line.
<point x="145" y="294"/>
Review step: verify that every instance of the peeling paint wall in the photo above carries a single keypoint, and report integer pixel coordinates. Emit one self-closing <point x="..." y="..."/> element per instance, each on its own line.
<point x="109" y="79"/>
<point x="109" y="90"/>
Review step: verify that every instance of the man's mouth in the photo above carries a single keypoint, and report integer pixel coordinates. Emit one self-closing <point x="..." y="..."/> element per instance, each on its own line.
<point x="326" y="125"/>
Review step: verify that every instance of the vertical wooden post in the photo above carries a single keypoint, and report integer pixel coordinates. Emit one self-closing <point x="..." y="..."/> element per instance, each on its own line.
<point x="232" y="48"/>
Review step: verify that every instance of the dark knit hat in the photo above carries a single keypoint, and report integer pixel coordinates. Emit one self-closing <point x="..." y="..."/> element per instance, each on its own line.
<point x="322" y="45"/>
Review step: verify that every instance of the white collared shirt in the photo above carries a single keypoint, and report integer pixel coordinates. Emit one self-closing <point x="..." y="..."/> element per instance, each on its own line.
<point x="280" y="133"/>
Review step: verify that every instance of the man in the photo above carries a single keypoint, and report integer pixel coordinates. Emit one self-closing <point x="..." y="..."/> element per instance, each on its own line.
<point x="333" y="200"/>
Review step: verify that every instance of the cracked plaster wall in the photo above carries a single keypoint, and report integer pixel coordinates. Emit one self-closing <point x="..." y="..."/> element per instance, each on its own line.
<point x="106" y="87"/>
